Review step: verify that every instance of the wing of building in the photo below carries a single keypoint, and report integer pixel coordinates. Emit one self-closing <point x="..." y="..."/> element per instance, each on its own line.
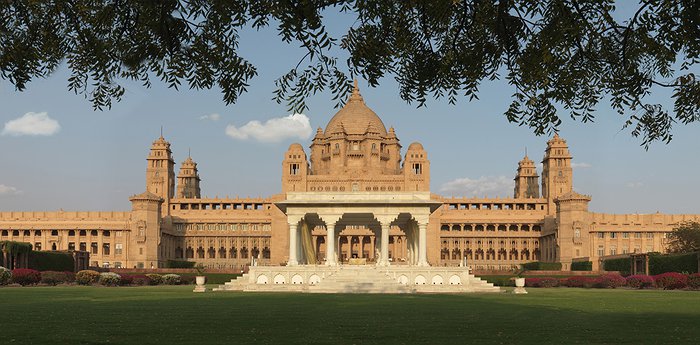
<point x="357" y="191"/>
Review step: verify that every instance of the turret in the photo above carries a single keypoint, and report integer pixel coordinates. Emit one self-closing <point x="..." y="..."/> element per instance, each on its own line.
<point x="294" y="169"/>
<point x="526" y="184"/>
<point x="144" y="242"/>
<point x="557" y="176"/>
<point x="160" y="172"/>
<point x="416" y="168"/>
<point x="188" y="180"/>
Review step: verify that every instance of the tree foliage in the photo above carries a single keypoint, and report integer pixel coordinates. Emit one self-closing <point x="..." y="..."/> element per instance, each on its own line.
<point x="560" y="56"/>
<point x="685" y="238"/>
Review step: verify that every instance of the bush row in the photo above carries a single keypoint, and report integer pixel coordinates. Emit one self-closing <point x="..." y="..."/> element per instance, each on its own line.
<point x="25" y="276"/>
<point x="542" y="266"/>
<point x="666" y="281"/>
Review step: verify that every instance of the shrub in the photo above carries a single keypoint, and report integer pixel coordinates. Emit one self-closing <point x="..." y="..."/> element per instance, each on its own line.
<point x="542" y="266"/>
<point x="694" y="281"/>
<point x="622" y="265"/>
<point x="5" y="276"/>
<point x="187" y="280"/>
<point x="87" y="277"/>
<point x="577" y="281"/>
<point x="671" y="280"/>
<point x="25" y="276"/>
<point x="141" y="280"/>
<point x="109" y="279"/>
<point x="126" y="280"/>
<point x="544" y="282"/>
<point x="53" y="277"/>
<point x="51" y="261"/>
<point x="610" y="281"/>
<point x="70" y="276"/>
<point x="171" y="279"/>
<point x="155" y="279"/>
<point x="673" y="263"/>
<point x="582" y="266"/>
<point x="179" y="264"/>
<point x="640" y="281"/>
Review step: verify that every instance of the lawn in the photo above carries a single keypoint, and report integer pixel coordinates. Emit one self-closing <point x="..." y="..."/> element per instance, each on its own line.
<point x="175" y="315"/>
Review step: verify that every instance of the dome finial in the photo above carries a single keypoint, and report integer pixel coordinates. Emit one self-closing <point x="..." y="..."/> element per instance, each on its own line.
<point x="355" y="95"/>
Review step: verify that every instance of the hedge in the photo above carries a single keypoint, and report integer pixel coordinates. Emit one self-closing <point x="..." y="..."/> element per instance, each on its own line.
<point x="179" y="264"/>
<point x="53" y="277"/>
<point x="87" y="277"/>
<point x="671" y="280"/>
<point x="542" y="266"/>
<point x="621" y="265"/>
<point x="25" y="276"/>
<point x="582" y="266"/>
<point x="673" y="263"/>
<point x="51" y="261"/>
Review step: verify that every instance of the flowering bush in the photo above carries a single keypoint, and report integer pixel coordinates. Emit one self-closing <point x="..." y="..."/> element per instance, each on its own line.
<point x="578" y="281"/>
<point x="109" y="279"/>
<point x="126" y="280"/>
<point x="694" y="281"/>
<point x="87" y="277"/>
<point x="70" y="276"/>
<point x="25" y="276"/>
<point x="53" y="277"/>
<point x="5" y="276"/>
<point x="140" y="280"/>
<point x="671" y="280"/>
<point x="156" y="279"/>
<point x="171" y="279"/>
<point x="544" y="282"/>
<point x="640" y="281"/>
<point x="610" y="281"/>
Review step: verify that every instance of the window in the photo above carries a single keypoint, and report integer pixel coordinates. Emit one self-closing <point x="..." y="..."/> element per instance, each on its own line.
<point x="625" y="235"/>
<point x="601" y="235"/>
<point x="37" y="246"/>
<point x="93" y="248"/>
<point x="71" y="245"/>
<point x="416" y="168"/>
<point x="613" y="235"/>
<point x="118" y="248"/>
<point x="613" y="250"/>
<point x="83" y="246"/>
<point x="71" y="233"/>
<point x="650" y="235"/>
<point x="27" y="233"/>
<point x="37" y="232"/>
<point x="54" y="232"/>
<point x="82" y="232"/>
<point x="105" y="233"/>
<point x="637" y="235"/>
<point x="117" y="264"/>
<point x="577" y="233"/>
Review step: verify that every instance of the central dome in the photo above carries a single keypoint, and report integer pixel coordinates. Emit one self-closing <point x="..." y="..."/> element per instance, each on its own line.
<point x="355" y="118"/>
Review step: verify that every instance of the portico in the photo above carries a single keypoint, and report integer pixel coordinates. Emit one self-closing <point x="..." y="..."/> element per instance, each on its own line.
<point x="405" y="212"/>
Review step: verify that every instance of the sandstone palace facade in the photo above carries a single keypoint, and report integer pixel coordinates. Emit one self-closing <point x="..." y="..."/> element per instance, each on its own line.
<point x="353" y="196"/>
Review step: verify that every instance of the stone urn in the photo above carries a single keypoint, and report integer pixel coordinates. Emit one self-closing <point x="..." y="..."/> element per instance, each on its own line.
<point x="519" y="286"/>
<point x="200" y="280"/>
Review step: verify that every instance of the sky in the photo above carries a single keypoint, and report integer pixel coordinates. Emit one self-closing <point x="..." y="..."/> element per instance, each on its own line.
<point x="58" y="153"/>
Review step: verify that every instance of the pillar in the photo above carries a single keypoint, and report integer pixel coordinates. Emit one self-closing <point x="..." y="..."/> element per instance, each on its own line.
<point x="362" y="246"/>
<point x="384" y="252"/>
<point x="422" y="244"/>
<point x="331" y="258"/>
<point x="293" y="245"/>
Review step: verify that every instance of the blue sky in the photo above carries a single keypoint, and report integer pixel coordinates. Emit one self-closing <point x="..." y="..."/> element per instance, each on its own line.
<point x="96" y="160"/>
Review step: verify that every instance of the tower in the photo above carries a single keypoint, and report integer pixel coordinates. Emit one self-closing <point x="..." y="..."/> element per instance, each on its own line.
<point x="188" y="180"/>
<point x="557" y="176"/>
<point x="144" y="243"/>
<point x="294" y="169"/>
<point x="526" y="184"/>
<point x="416" y="169"/>
<point x="160" y="172"/>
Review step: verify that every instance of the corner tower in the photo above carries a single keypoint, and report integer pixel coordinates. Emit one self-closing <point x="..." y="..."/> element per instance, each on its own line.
<point x="160" y="172"/>
<point x="526" y="185"/>
<point x="557" y="176"/>
<point x="188" y="180"/>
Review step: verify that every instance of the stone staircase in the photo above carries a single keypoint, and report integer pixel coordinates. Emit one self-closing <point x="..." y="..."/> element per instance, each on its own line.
<point x="359" y="279"/>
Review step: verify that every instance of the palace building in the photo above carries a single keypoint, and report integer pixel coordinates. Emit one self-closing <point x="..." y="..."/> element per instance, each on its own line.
<point x="353" y="195"/>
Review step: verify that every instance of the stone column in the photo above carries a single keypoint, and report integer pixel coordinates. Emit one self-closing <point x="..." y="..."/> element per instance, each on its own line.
<point x="362" y="239"/>
<point x="384" y="251"/>
<point x="371" y="247"/>
<point x="422" y="244"/>
<point x="331" y="258"/>
<point x="292" y="245"/>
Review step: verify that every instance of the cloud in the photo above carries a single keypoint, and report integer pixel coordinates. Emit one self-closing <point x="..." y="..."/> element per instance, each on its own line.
<point x="580" y="165"/>
<point x="8" y="190"/>
<point x="212" y="117"/>
<point x="634" y="184"/>
<point x="484" y="185"/>
<point x="273" y="130"/>
<point x="32" y="124"/>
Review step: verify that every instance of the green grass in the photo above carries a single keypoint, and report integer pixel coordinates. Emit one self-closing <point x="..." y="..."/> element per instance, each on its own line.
<point x="175" y="315"/>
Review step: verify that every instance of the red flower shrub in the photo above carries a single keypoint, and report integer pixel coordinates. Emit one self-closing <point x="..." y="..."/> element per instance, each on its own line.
<point x="25" y="276"/>
<point x="610" y="281"/>
<point x="694" y="281"/>
<point x="578" y="281"/>
<point x="126" y="280"/>
<point x="640" y="281"/>
<point x="140" y="280"/>
<point x="671" y="280"/>
<point x="544" y="282"/>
